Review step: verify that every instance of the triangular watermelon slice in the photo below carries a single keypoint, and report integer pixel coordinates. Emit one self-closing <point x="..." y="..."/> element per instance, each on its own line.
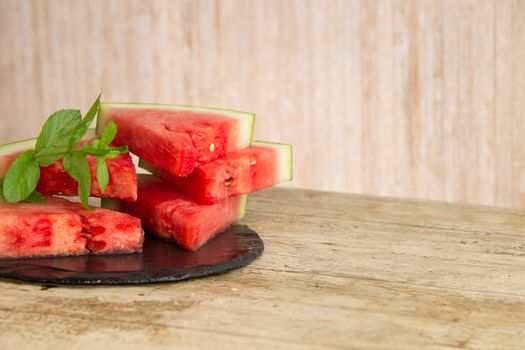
<point x="262" y="165"/>
<point x="61" y="227"/>
<point x="54" y="180"/>
<point x="174" y="137"/>
<point x="171" y="215"/>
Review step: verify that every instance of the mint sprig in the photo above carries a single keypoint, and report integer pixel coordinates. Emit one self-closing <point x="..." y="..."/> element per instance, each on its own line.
<point x="58" y="139"/>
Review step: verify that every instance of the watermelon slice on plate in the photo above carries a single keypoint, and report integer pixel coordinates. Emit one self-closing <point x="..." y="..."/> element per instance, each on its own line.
<point x="174" y="137"/>
<point x="173" y="216"/>
<point x="262" y="165"/>
<point x="60" y="227"/>
<point x="54" y="180"/>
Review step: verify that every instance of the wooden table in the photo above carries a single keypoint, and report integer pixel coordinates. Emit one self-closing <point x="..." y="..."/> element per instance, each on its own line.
<point x="339" y="271"/>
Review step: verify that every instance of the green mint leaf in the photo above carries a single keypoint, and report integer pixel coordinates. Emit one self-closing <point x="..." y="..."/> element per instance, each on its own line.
<point x="36" y="197"/>
<point x="77" y="167"/>
<point x="102" y="174"/>
<point x="83" y="126"/>
<point x="21" y="178"/>
<point x="52" y="142"/>
<point x="108" y="135"/>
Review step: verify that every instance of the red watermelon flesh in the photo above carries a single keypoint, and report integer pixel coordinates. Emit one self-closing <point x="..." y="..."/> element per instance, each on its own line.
<point x="55" y="181"/>
<point x="262" y="165"/>
<point x="59" y="227"/>
<point x="177" y="138"/>
<point x="122" y="179"/>
<point x="172" y="215"/>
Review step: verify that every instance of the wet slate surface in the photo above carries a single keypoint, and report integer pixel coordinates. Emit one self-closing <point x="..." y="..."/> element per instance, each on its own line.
<point x="160" y="261"/>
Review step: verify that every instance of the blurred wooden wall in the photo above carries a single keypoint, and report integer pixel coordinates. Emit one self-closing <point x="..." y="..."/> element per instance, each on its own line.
<point x="405" y="98"/>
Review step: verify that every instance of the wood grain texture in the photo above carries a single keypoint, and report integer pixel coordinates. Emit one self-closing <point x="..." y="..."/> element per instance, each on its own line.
<point x="394" y="97"/>
<point x="339" y="271"/>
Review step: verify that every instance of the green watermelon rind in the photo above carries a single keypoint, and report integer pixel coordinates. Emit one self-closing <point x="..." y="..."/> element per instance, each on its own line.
<point x="111" y="204"/>
<point x="24" y="145"/>
<point x="243" y="206"/>
<point x="247" y="119"/>
<point x="285" y="167"/>
<point x="146" y="166"/>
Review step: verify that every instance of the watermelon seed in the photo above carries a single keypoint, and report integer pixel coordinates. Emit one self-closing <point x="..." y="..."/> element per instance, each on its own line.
<point x="212" y="147"/>
<point x="228" y="181"/>
<point x="253" y="162"/>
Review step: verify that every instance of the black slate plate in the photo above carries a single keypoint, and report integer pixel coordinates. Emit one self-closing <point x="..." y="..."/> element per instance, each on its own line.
<point x="160" y="261"/>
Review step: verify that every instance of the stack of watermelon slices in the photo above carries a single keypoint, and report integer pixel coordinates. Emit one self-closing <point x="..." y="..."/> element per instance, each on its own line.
<point x="204" y="164"/>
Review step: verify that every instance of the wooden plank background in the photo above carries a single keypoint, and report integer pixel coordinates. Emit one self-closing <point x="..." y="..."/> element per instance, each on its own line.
<point x="406" y="98"/>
